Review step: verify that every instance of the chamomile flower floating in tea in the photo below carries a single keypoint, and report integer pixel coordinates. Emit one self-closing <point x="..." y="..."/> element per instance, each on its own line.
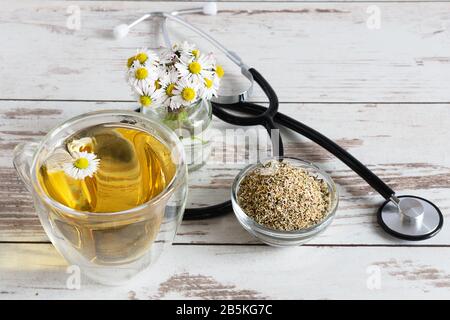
<point x="75" y="160"/>
<point x="84" y="164"/>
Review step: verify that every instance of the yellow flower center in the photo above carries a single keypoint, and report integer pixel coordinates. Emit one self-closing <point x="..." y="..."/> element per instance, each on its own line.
<point x="219" y="71"/>
<point x="195" y="67"/>
<point x="188" y="94"/>
<point x="157" y="84"/>
<point x="81" y="163"/>
<point x="141" y="73"/>
<point x="145" y="101"/>
<point x="196" y="53"/>
<point x="141" y="57"/>
<point x="169" y="89"/>
<point x="208" y="83"/>
<point x="130" y="61"/>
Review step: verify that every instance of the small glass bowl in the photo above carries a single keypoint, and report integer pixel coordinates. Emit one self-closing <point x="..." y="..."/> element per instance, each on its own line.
<point x="280" y="238"/>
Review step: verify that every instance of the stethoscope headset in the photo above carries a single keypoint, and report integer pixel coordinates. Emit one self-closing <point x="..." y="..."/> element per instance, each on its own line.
<point x="406" y="217"/>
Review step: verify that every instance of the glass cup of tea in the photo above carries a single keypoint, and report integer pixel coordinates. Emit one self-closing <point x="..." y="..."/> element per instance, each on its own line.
<point x="110" y="190"/>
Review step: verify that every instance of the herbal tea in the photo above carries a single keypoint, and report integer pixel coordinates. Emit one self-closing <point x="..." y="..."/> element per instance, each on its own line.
<point x="133" y="167"/>
<point x="103" y="169"/>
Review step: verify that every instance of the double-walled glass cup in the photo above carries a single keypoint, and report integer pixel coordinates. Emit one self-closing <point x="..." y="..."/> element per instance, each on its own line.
<point x="109" y="247"/>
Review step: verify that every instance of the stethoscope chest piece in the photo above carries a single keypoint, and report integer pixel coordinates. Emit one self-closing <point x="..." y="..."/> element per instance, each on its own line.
<point x="410" y="218"/>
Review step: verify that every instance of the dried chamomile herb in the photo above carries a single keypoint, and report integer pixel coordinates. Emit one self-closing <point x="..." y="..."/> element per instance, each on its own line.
<point x="281" y="196"/>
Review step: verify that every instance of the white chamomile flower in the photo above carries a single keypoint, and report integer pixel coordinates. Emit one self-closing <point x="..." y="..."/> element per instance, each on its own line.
<point x="61" y="156"/>
<point x="196" y="69"/>
<point x="185" y="93"/>
<point x="209" y="88"/>
<point x="141" y="74"/>
<point x="147" y="57"/>
<point x="147" y="95"/>
<point x="167" y="56"/>
<point x="218" y="71"/>
<point x="186" y="51"/>
<point x="161" y="72"/>
<point x="176" y="77"/>
<point x="168" y="82"/>
<point x="143" y="57"/>
<point x="195" y="53"/>
<point x="84" y="164"/>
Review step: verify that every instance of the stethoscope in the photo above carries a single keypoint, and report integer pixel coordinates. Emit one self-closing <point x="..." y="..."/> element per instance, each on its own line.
<point x="406" y="217"/>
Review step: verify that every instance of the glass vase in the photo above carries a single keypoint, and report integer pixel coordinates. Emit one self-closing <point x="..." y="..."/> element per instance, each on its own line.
<point x="191" y="124"/>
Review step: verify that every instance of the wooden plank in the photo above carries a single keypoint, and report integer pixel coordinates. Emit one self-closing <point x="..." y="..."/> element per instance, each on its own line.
<point x="404" y="148"/>
<point x="327" y="50"/>
<point x="236" y="272"/>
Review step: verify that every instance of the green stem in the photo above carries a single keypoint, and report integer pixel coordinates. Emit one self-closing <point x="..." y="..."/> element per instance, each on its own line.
<point x="199" y="139"/>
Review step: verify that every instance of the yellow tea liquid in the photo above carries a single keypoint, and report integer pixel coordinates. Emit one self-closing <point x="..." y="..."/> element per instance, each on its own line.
<point x="134" y="168"/>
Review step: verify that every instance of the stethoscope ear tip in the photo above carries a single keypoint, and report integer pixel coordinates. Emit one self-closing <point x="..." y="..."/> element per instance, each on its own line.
<point x="121" y="31"/>
<point x="210" y="8"/>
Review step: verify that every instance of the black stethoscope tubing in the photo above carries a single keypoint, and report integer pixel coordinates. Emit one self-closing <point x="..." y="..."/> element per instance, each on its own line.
<point x="270" y="118"/>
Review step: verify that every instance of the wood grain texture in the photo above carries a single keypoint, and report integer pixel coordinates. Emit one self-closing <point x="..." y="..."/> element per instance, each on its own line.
<point x="228" y="272"/>
<point x="381" y="94"/>
<point x="407" y="151"/>
<point x="327" y="50"/>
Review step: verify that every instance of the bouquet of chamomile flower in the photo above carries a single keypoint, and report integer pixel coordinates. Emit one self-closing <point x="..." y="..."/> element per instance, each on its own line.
<point x="177" y="78"/>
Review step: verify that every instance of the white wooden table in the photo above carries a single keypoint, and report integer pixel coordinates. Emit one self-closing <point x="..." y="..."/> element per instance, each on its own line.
<point x="383" y="94"/>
